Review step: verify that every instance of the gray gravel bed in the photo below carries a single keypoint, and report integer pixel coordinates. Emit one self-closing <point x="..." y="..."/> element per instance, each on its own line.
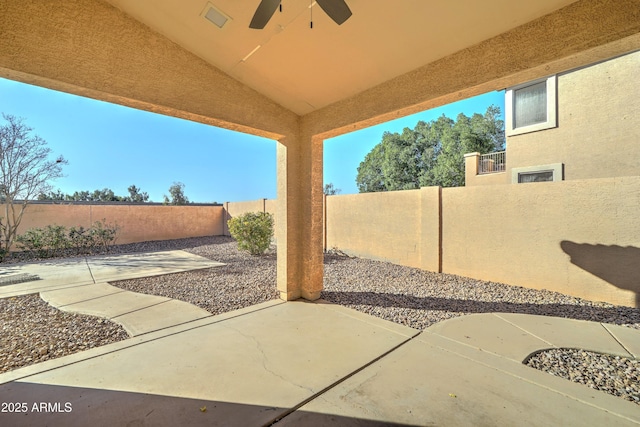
<point x="400" y="294"/>
<point x="246" y="280"/>
<point x="418" y="298"/>
<point x="32" y="331"/>
<point x="615" y="375"/>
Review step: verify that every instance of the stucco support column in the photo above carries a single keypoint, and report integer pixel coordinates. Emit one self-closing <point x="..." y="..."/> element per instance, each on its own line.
<point x="299" y="215"/>
<point x="470" y="167"/>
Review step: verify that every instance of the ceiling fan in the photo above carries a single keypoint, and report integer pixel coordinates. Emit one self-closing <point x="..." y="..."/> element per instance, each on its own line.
<point x="336" y="9"/>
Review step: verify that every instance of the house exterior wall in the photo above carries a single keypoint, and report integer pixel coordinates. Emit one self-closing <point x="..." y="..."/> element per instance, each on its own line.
<point x="138" y="223"/>
<point x="598" y="131"/>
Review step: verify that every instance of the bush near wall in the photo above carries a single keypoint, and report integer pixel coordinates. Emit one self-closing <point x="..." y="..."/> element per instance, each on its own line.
<point x="253" y="231"/>
<point x="55" y="240"/>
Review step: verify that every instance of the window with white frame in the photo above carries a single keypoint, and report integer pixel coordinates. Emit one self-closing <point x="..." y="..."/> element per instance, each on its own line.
<point x="540" y="173"/>
<point x="531" y="107"/>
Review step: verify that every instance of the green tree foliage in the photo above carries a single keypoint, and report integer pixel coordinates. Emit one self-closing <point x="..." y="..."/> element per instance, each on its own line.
<point x="330" y="189"/>
<point x="135" y="195"/>
<point x="104" y="195"/>
<point x="430" y="154"/>
<point x="253" y="231"/>
<point x="176" y="191"/>
<point x="25" y="172"/>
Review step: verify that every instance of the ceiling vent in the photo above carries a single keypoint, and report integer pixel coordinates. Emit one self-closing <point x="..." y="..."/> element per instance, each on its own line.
<point x="215" y="16"/>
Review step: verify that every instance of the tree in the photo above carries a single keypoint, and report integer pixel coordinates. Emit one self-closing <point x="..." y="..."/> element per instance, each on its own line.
<point x="136" y="196"/>
<point x="25" y="172"/>
<point x="430" y="154"/>
<point x="330" y="189"/>
<point x="176" y="191"/>
<point x="104" y="195"/>
<point x="57" y="196"/>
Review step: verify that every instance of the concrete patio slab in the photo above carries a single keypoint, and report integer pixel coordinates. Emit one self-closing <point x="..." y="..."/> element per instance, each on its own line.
<point x="97" y="352"/>
<point x="55" y="274"/>
<point x="627" y="337"/>
<point x="120" y="267"/>
<point x="568" y="333"/>
<point x="490" y="332"/>
<point x="301" y="363"/>
<point x="160" y="316"/>
<point x="247" y="369"/>
<point x="435" y="381"/>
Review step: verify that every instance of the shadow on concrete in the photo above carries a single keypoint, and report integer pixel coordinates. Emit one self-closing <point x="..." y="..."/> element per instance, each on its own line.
<point x="618" y="265"/>
<point x="78" y="406"/>
<point x="617" y="315"/>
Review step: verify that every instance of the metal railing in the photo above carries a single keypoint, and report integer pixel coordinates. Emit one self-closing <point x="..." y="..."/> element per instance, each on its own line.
<point x="492" y="162"/>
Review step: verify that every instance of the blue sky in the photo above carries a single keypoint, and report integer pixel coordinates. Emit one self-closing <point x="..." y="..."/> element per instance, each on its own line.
<point x="112" y="146"/>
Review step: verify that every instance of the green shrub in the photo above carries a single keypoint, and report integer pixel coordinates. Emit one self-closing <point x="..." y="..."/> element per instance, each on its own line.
<point x="33" y="240"/>
<point x="104" y="234"/>
<point x="55" y="239"/>
<point x="81" y="240"/>
<point x="253" y="231"/>
<point x="52" y="240"/>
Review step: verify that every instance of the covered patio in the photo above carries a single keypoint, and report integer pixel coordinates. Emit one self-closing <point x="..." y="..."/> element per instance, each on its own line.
<point x="304" y="362"/>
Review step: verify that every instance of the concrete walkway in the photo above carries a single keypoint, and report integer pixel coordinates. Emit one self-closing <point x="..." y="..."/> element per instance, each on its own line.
<point x="73" y="272"/>
<point x="136" y="313"/>
<point x="79" y="285"/>
<point x="310" y="364"/>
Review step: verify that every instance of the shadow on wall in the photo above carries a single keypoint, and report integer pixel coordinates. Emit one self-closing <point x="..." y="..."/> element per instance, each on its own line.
<point x="618" y="265"/>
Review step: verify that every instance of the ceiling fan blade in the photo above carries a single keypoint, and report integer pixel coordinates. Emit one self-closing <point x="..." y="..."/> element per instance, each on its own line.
<point x="263" y="14"/>
<point x="336" y="9"/>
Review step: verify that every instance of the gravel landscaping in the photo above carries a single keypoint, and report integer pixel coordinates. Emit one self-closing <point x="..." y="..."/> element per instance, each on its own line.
<point x="32" y="331"/>
<point x="615" y="375"/>
<point x="404" y="295"/>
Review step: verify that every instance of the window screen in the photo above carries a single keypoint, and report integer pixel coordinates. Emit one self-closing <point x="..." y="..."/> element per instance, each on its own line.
<point x="535" y="177"/>
<point x="530" y="105"/>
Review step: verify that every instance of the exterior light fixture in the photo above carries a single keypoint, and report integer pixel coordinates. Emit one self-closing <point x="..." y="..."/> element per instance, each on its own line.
<point x="215" y="16"/>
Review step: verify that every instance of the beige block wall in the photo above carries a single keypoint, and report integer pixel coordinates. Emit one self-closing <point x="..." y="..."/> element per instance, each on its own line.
<point x="382" y="226"/>
<point x="138" y="223"/>
<point x="578" y="237"/>
<point x="598" y="133"/>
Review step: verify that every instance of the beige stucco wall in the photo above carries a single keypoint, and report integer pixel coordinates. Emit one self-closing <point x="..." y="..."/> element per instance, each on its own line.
<point x="382" y="226"/>
<point x="239" y="208"/>
<point x="578" y="237"/>
<point x="386" y="226"/>
<point x="138" y="223"/>
<point x="598" y="132"/>
<point x="515" y="233"/>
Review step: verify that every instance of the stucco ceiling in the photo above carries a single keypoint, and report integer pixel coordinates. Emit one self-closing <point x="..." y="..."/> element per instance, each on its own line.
<point x="305" y="69"/>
